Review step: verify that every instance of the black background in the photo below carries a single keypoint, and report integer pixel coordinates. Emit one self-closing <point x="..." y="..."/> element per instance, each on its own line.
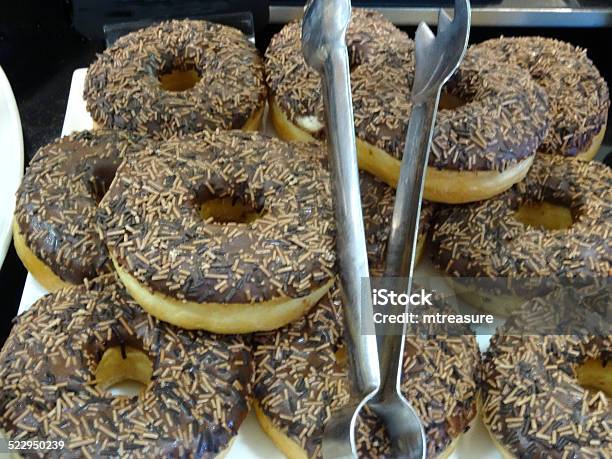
<point x="40" y="47"/>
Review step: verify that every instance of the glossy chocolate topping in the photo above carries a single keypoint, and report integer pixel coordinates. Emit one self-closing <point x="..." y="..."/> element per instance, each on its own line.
<point x="193" y="406"/>
<point x="123" y="87"/>
<point x="578" y="96"/>
<point x="57" y="200"/>
<point x="151" y="222"/>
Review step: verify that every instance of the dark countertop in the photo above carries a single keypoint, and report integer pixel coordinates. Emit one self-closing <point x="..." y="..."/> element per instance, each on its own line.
<point x="39" y="51"/>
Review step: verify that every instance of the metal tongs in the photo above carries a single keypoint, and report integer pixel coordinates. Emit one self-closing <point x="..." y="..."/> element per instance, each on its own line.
<point x="437" y="58"/>
<point x="323" y="44"/>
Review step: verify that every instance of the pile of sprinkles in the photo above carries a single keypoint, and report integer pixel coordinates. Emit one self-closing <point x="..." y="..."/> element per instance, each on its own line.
<point x="578" y="95"/>
<point x="532" y="403"/>
<point x="301" y="377"/>
<point x="123" y="89"/>
<point x="484" y="239"/>
<point x="58" y="197"/>
<point x="193" y="406"/>
<point x="153" y="229"/>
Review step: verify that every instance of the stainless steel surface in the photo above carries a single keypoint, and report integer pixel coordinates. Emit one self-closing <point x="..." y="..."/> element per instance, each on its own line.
<point x="324" y="48"/>
<point x="506" y="13"/>
<point x="437" y="57"/>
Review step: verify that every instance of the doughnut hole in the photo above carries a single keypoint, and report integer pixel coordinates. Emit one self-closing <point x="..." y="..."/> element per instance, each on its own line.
<point x="545" y="215"/>
<point x="341" y="356"/>
<point x="179" y="78"/>
<point x="126" y="373"/>
<point x="450" y="101"/>
<point x="228" y="209"/>
<point x="593" y="375"/>
<point x="101" y="179"/>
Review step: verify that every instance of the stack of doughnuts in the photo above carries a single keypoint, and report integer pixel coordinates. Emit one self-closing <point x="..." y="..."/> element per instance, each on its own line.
<point x="169" y="231"/>
<point x="176" y="78"/>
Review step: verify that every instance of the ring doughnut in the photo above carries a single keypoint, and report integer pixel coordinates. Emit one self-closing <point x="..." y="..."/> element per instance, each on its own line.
<point x="554" y="225"/>
<point x="54" y="229"/>
<point x="301" y="377"/>
<point x="578" y="95"/>
<point x="66" y="352"/>
<point x="547" y="380"/>
<point x="231" y="233"/>
<point x="177" y="77"/>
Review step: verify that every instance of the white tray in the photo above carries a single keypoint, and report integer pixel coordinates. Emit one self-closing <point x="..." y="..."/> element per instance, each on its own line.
<point x="252" y="442"/>
<point x="11" y="157"/>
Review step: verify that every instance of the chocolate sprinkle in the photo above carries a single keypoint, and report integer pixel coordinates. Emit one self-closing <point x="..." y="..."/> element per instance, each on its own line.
<point x="122" y="88"/>
<point x="578" y="95"/>
<point x="151" y="222"/>
<point x="56" y="343"/>
<point x="58" y="197"/>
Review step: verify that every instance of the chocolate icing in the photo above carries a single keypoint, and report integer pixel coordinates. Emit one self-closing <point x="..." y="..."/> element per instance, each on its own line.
<point x="57" y="200"/>
<point x="194" y="405"/>
<point x="502" y="122"/>
<point x="532" y="402"/>
<point x="299" y="382"/>
<point x="578" y="96"/>
<point x="153" y="229"/>
<point x="483" y="239"/>
<point x="122" y="88"/>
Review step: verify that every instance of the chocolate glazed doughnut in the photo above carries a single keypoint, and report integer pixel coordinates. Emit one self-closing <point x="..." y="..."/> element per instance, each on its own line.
<point x="178" y="77"/>
<point x="54" y="227"/>
<point x="67" y="350"/>
<point x="578" y="95"/>
<point x="231" y="233"/>
<point x="301" y="377"/>
<point x="546" y="378"/>
<point x="554" y="225"/>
